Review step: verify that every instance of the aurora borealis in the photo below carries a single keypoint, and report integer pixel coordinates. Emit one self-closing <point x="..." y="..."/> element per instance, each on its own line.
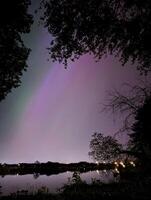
<point x="54" y="112"/>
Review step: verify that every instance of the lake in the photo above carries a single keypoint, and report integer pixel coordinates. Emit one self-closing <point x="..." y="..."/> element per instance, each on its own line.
<point x="13" y="183"/>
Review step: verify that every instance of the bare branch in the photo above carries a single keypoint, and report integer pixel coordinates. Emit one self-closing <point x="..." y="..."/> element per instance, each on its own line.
<point x="127" y="103"/>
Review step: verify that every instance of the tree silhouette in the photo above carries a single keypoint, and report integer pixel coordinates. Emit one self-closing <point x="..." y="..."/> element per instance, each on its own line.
<point x="127" y="103"/>
<point x="100" y="27"/>
<point x="141" y="129"/>
<point x="104" y="148"/>
<point x="14" y="21"/>
<point x="136" y="107"/>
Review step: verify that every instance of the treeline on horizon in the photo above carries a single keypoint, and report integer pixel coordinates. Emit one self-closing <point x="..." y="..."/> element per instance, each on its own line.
<point x="50" y="168"/>
<point x="55" y="167"/>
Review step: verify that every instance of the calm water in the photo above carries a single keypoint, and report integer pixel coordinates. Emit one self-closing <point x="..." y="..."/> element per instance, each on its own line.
<point x="14" y="183"/>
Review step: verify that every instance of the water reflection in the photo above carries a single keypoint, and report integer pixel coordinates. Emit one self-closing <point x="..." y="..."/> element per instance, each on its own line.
<point x="14" y="183"/>
<point x="36" y="175"/>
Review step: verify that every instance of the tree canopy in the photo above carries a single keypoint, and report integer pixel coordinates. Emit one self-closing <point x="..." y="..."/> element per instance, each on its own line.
<point x="104" y="148"/>
<point x="14" y="21"/>
<point x="100" y="27"/>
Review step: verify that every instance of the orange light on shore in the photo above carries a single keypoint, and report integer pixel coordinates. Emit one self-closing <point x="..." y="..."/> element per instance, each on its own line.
<point x="97" y="162"/>
<point x="132" y="163"/>
<point x="122" y="164"/>
<point x="116" y="163"/>
<point x="117" y="171"/>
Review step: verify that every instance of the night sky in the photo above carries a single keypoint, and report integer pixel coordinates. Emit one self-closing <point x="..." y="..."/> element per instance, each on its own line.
<point x="54" y="112"/>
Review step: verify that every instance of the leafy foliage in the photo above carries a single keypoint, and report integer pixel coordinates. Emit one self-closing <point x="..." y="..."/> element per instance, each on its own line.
<point x="104" y="148"/>
<point x="99" y="27"/>
<point x="14" y="21"/>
